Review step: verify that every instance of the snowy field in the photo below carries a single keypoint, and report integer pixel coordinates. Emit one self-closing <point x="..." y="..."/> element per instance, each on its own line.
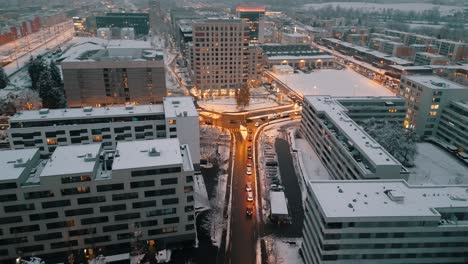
<point x="376" y="7"/>
<point x="344" y="82"/>
<point x="283" y="250"/>
<point x="434" y="165"/>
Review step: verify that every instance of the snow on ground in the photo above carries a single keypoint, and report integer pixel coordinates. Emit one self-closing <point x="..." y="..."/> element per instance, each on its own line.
<point x="344" y="82"/>
<point x="435" y="165"/>
<point x="376" y="7"/>
<point x="215" y="140"/>
<point x="283" y="250"/>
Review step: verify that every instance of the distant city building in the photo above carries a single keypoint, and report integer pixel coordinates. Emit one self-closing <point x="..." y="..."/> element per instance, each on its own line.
<point x="297" y="56"/>
<point x="385" y="221"/>
<point x="255" y="17"/>
<point x="427" y="97"/>
<point x="127" y="33"/>
<point x="138" y="21"/>
<point x="47" y="129"/>
<point x="294" y="39"/>
<point x="221" y="59"/>
<point x="104" y="33"/>
<point x="87" y="201"/>
<point x="426" y="58"/>
<point x="453" y="125"/>
<point x="116" y="72"/>
<point x="343" y="146"/>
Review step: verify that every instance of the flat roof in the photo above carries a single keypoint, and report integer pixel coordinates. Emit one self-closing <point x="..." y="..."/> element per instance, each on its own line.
<point x="434" y="82"/>
<point x="87" y="112"/>
<point x="148" y="153"/>
<point x="73" y="159"/>
<point x="368" y="198"/>
<point x="300" y="57"/>
<point x="344" y="82"/>
<point x="10" y="158"/>
<point x="278" y="203"/>
<point x="175" y="106"/>
<point x="409" y="68"/>
<point x="337" y="114"/>
<point x="432" y="55"/>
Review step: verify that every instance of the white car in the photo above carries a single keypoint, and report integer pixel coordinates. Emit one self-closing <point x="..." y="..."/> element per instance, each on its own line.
<point x="249" y="170"/>
<point x="248" y="187"/>
<point x="257" y="124"/>
<point x="250" y="196"/>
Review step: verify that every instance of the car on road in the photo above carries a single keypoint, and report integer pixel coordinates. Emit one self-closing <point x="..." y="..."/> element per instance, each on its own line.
<point x="249" y="162"/>
<point x="249" y="170"/>
<point x="249" y="138"/>
<point x="249" y="211"/>
<point x="249" y="155"/>
<point x="248" y="187"/>
<point x="249" y="148"/>
<point x="249" y="130"/>
<point x="257" y="124"/>
<point x="250" y="196"/>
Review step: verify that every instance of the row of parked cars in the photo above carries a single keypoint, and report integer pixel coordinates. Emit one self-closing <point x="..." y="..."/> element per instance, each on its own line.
<point x="456" y="151"/>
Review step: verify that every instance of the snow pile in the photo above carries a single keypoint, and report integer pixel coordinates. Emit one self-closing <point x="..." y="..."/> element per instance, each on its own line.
<point x="283" y="250"/>
<point x="434" y="165"/>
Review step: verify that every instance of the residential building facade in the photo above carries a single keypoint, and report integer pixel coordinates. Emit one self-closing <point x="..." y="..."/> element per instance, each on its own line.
<point x="255" y="17"/>
<point x="342" y="145"/>
<point x="453" y="125"/>
<point x="221" y="59"/>
<point x="385" y="222"/>
<point x="87" y="201"/>
<point x="114" y="75"/>
<point x="426" y="97"/>
<point x="47" y="129"/>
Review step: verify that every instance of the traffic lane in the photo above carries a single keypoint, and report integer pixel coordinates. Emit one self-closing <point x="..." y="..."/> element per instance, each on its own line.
<point x="243" y="234"/>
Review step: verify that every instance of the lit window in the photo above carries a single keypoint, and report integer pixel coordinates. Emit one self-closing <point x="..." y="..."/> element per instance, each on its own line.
<point x="433" y="113"/>
<point x="51" y="141"/>
<point x="434" y="106"/>
<point x="97" y="138"/>
<point x="172" y="121"/>
<point x="392" y="110"/>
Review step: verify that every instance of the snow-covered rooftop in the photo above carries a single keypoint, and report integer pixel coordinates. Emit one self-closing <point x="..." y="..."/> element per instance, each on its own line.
<point x="358" y="199"/>
<point x="14" y="162"/>
<point x="431" y="55"/>
<point x="87" y="112"/>
<point x="278" y="203"/>
<point x="300" y="57"/>
<point x="366" y="145"/>
<point x="434" y="82"/>
<point x="179" y="106"/>
<point x="333" y="82"/>
<point x="73" y="159"/>
<point x="151" y="153"/>
<point x="409" y="68"/>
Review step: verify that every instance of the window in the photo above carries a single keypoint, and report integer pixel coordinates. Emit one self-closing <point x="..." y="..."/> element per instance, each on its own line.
<point x="80" y="211"/>
<point x="433" y="113"/>
<point x="64" y="244"/>
<point x="93" y="240"/>
<point x="172" y="121"/>
<point x="172" y="220"/>
<point x="110" y="187"/>
<point x="97" y="138"/>
<point x="170" y="201"/>
<point x="24" y="229"/>
<point x="113" y="208"/>
<point x="73" y="179"/>
<point x="88" y="200"/>
<point x="144" y="204"/>
<point x="189" y="227"/>
<point x="94" y="220"/>
<point x="54" y="204"/>
<point x="159" y="212"/>
<point x="11" y="219"/>
<point x="162" y="231"/>
<point x="173" y="129"/>
<point x="8" y="197"/>
<point x="33" y="248"/>
<point x="435" y="106"/>
<point x="19" y="208"/>
<point x="75" y="190"/>
<point x="189" y="198"/>
<point x="124" y="196"/>
<point x="124" y="236"/>
<point x="8" y="185"/>
<point x="189" y="179"/>
<point x="62" y="224"/>
<point x="38" y="194"/>
<point x="81" y="232"/>
<point x="188" y="189"/>
<point x="141" y="184"/>
<point x="160" y="192"/>
<point x="155" y="171"/>
<point x="51" y="141"/>
<point x="127" y="216"/>
<point x="169" y="181"/>
<point x="43" y="216"/>
<point x="147" y="223"/>
<point x="115" y="227"/>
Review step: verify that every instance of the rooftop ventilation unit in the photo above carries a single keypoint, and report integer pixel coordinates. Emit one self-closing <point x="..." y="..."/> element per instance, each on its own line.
<point x="19" y="163"/>
<point x="175" y="102"/>
<point x="439" y="84"/>
<point x="395" y="195"/>
<point x="455" y="197"/>
<point x="87" y="109"/>
<point x="153" y="152"/>
<point x="128" y="107"/>
<point x="89" y="157"/>
<point x="44" y="111"/>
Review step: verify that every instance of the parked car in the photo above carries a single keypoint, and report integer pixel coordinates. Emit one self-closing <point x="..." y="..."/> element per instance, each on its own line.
<point x="257" y="124"/>
<point x="249" y="170"/>
<point x="250" y="196"/>
<point x="249" y="211"/>
<point x="248" y="187"/>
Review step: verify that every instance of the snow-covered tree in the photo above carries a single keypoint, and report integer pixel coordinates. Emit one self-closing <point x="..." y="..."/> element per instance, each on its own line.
<point x="398" y="141"/>
<point x="4" y="81"/>
<point x="55" y="74"/>
<point x="52" y="96"/>
<point x="35" y="68"/>
<point x="242" y="97"/>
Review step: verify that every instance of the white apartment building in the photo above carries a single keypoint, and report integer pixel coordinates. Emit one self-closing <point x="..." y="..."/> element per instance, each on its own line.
<point x="49" y="128"/>
<point x="347" y="151"/>
<point x="453" y="125"/>
<point x="426" y="97"/>
<point x="221" y="59"/>
<point x="384" y="222"/>
<point x="87" y="201"/>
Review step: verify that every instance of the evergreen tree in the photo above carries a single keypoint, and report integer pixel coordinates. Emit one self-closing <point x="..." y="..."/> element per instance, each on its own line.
<point x="55" y="74"/>
<point x="4" y="81"/>
<point x="52" y="96"/>
<point x="35" y="68"/>
<point x="243" y="97"/>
